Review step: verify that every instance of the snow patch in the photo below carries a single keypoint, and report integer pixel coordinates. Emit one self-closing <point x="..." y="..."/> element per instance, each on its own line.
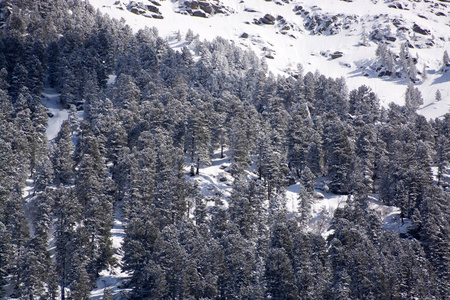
<point x="57" y="113"/>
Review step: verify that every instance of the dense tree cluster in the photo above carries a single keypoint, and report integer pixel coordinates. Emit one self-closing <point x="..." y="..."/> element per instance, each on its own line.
<point x="166" y="109"/>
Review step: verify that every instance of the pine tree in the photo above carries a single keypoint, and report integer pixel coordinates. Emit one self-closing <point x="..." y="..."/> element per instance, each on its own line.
<point x="62" y="159"/>
<point x="413" y="97"/>
<point x="363" y="102"/>
<point x="435" y="211"/>
<point x="308" y="180"/>
<point x="438" y="96"/>
<point x="304" y="206"/>
<point x="442" y="156"/>
<point x="5" y="256"/>
<point x="67" y="212"/>
<point x="198" y="139"/>
<point x="446" y="59"/>
<point x="279" y="275"/>
<point x="340" y="149"/>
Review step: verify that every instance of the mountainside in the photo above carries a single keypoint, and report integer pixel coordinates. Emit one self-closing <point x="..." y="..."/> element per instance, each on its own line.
<point x="207" y="158"/>
<point x="338" y="38"/>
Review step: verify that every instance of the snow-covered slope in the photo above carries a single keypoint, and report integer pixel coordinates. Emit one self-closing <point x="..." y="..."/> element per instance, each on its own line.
<point x="57" y="113"/>
<point x="311" y="33"/>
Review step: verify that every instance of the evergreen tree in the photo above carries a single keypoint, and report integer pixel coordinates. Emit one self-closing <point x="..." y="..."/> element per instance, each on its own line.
<point x="438" y="96"/>
<point x="67" y="212"/>
<point x="62" y="159"/>
<point x="363" y="102"/>
<point x="5" y="255"/>
<point x="198" y="139"/>
<point x="442" y="156"/>
<point x="340" y="152"/>
<point x="446" y="59"/>
<point x="413" y="97"/>
<point x="279" y="275"/>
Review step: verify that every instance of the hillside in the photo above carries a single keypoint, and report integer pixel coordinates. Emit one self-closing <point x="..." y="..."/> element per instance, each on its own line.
<point x="185" y="161"/>
<point x="338" y="38"/>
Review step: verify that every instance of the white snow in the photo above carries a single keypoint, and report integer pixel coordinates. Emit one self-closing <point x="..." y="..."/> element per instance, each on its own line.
<point x="215" y="180"/>
<point x="390" y="215"/>
<point x="50" y="99"/>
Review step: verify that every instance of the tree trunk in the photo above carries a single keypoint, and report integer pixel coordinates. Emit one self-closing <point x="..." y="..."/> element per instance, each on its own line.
<point x="198" y="166"/>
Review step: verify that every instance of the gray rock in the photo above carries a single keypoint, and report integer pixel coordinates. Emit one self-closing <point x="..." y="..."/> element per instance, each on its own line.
<point x="152" y="8"/>
<point x="244" y="35"/>
<point x="206" y="7"/>
<point x="155" y="2"/>
<point x="336" y="54"/>
<point x="418" y="29"/>
<point x="268" y="19"/>
<point x="199" y="13"/>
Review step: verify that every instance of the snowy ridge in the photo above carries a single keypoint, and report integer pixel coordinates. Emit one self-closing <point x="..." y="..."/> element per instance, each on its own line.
<point x="309" y="33"/>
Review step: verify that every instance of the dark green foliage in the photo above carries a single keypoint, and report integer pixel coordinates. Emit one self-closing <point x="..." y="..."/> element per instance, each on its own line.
<point x="165" y="109"/>
<point x="279" y="275"/>
<point x="339" y="145"/>
<point x="5" y="256"/>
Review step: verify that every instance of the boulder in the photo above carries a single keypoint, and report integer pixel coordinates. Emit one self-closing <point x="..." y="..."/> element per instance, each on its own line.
<point x="207" y="8"/>
<point x="191" y="4"/>
<point x="199" y="13"/>
<point x="244" y="35"/>
<point x="418" y="29"/>
<point x="390" y="38"/>
<point x="152" y="8"/>
<point x="135" y="10"/>
<point x="397" y="22"/>
<point x="268" y="19"/>
<point x="336" y="54"/>
<point x="218" y="9"/>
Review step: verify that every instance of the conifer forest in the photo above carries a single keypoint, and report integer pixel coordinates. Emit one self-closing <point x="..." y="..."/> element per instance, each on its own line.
<point x="144" y="121"/>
